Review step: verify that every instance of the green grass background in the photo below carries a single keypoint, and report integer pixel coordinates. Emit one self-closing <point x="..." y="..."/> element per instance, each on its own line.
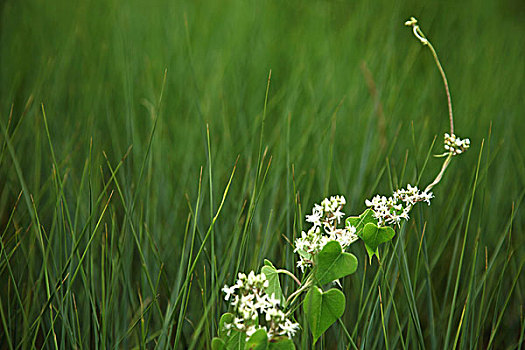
<point x="102" y="244"/>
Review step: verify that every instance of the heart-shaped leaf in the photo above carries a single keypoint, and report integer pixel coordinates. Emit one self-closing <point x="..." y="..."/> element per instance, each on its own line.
<point x="360" y="221"/>
<point x="217" y="344"/>
<point x="323" y="309"/>
<point x="225" y="319"/>
<point x="333" y="263"/>
<point x="236" y="341"/>
<point x="282" y="343"/>
<point x="258" y="340"/>
<point x="373" y="236"/>
<point x="274" y="285"/>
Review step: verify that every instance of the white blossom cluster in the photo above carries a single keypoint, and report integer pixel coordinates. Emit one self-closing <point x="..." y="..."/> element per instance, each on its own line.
<point x="393" y="209"/>
<point x="325" y="218"/>
<point x="455" y="145"/>
<point x="250" y="303"/>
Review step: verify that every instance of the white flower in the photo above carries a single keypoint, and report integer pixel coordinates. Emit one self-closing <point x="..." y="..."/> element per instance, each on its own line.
<point x="315" y="217"/>
<point x="325" y="218"/>
<point x="251" y="305"/>
<point x="250" y="331"/>
<point x="301" y="243"/>
<point x="454" y="145"/>
<point x="392" y="210"/>
<point x="273" y="300"/>
<point x="238" y="322"/>
<point x="229" y="291"/>
<point x="289" y="327"/>
<point x="339" y="215"/>
<point x="302" y="264"/>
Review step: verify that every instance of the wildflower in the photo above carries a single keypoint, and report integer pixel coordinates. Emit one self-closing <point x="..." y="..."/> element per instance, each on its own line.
<point x="393" y="209"/>
<point x="454" y="145"/>
<point x="289" y="327"/>
<point x="251" y="304"/>
<point x="228" y="291"/>
<point x="317" y="214"/>
<point x="325" y="218"/>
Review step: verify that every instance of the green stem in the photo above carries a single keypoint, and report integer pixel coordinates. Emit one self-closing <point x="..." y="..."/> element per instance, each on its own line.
<point x="295" y="294"/>
<point x="419" y="34"/>
<point x="286" y="272"/>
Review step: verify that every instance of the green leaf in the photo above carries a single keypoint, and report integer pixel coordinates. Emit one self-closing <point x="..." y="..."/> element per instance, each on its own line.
<point x="236" y="341"/>
<point x="360" y="221"/>
<point x="217" y="344"/>
<point x="226" y="318"/>
<point x="333" y="263"/>
<point x="274" y="285"/>
<point x="304" y="254"/>
<point x="373" y="236"/>
<point x="281" y="343"/>
<point x="258" y="341"/>
<point x="323" y="309"/>
<point x="371" y="253"/>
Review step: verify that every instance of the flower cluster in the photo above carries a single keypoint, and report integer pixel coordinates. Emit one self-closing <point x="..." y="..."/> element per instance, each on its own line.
<point x="250" y="301"/>
<point x="455" y="145"/>
<point x="325" y="218"/>
<point x="393" y="209"/>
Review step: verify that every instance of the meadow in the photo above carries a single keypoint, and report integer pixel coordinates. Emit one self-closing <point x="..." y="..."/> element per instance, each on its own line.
<point x="150" y="151"/>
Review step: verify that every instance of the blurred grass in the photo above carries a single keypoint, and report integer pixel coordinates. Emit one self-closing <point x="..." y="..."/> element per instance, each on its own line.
<point x="98" y="249"/>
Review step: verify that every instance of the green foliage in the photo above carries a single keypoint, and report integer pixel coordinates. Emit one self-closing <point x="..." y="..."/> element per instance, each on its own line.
<point x="105" y="246"/>
<point x="258" y="341"/>
<point x="272" y="276"/>
<point x="225" y="319"/>
<point x="218" y="344"/>
<point x="360" y="221"/>
<point x="333" y="263"/>
<point x="236" y="340"/>
<point x="373" y="236"/>
<point x="282" y="344"/>
<point x="322" y="309"/>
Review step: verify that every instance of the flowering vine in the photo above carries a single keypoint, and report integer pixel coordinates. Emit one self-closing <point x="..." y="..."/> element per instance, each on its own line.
<point x="262" y="317"/>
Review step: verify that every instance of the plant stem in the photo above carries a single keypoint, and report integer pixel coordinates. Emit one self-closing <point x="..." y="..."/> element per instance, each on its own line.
<point x="419" y="34"/>
<point x="440" y="175"/>
<point x="295" y="294"/>
<point x="286" y="272"/>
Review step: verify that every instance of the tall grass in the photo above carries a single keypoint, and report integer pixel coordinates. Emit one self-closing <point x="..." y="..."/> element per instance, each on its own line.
<point x="147" y="157"/>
